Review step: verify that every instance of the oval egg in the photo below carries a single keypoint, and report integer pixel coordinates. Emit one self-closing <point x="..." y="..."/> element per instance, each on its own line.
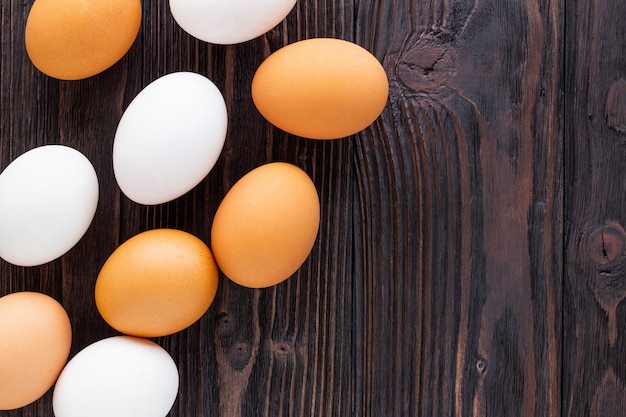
<point x="229" y="22"/>
<point x="48" y="198"/>
<point x="117" y="376"/>
<point x="76" y="39"/>
<point x="266" y="225"/>
<point x="156" y="283"/>
<point x="320" y="88"/>
<point x="169" y="138"/>
<point x="35" y="341"/>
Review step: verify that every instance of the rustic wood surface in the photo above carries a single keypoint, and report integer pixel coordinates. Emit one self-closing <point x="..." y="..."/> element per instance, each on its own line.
<point x="471" y="257"/>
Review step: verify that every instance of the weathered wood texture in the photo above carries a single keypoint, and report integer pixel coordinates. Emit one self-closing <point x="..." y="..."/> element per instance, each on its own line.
<point x="594" y="317"/>
<point x="471" y="254"/>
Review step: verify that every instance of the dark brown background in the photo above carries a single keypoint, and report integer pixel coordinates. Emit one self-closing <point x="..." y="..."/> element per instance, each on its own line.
<point x="471" y="256"/>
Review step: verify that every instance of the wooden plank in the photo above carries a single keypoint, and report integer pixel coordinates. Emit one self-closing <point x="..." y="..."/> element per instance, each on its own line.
<point x="594" y="372"/>
<point x="460" y="183"/>
<point x="435" y="287"/>
<point x="255" y="352"/>
<point x="286" y="350"/>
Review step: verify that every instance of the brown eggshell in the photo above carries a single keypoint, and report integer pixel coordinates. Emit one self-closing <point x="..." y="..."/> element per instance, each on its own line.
<point x="75" y="39"/>
<point x="35" y="341"/>
<point x="321" y="88"/>
<point x="266" y="225"/>
<point x="156" y="283"/>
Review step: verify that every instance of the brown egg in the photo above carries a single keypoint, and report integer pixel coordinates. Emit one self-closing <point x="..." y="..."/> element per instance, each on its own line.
<point x="321" y="88"/>
<point x="156" y="283"/>
<point x="35" y="341"/>
<point x="266" y="225"/>
<point x="75" y="39"/>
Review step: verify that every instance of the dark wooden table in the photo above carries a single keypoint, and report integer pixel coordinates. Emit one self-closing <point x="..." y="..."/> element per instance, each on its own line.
<point x="471" y="257"/>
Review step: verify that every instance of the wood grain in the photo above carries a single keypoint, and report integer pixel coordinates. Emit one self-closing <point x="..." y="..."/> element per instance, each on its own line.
<point x="471" y="254"/>
<point x="474" y="138"/>
<point x="594" y="348"/>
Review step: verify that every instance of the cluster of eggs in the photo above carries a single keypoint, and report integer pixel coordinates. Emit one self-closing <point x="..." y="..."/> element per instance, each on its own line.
<point x="170" y="136"/>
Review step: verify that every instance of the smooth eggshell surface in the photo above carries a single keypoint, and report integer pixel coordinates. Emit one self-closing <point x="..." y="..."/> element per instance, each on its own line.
<point x="321" y="88"/>
<point x="229" y="21"/>
<point x="117" y="376"/>
<point x="266" y="225"/>
<point x="35" y="341"/>
<point x="156" y="283"/>
<point x="76" y="39"/>
<point x="169" y="138"/>
<point x="48" y="197"/>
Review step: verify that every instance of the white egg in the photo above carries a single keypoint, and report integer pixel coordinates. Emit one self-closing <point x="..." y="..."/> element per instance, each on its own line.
<point x="48" y="198"/>
<point x="117" y="376"/>
<point x="169" y="138"/>
<point x="229" y="21"/>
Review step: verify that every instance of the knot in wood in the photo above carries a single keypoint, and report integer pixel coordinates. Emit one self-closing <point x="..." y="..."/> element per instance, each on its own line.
<point x="607" y="246"/>
<point x="481" y="366"/>
<point x="238" y="355"/>
<point x="282" y="348"/>
<point x="424" y="64"/>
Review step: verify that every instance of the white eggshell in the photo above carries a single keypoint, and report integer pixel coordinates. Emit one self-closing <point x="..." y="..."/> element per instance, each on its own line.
<point x="48" y="197"/>
<point x="116" y="377"/>
<point x="169" y="138"/>
<point x="229" y="21"/>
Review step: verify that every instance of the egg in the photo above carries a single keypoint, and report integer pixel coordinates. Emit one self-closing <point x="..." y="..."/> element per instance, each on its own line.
<point x="48" y="198"/>
<point x="35" y="341"/>
<point x="320" y="88"/>
<point x="76" y="39"/>
<point x="266" y="225"/>
<point x="117" y="376"/>
<point x="169" y="138"/>
<point x="156" y="283"/>
<point x="229" y="22"/>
